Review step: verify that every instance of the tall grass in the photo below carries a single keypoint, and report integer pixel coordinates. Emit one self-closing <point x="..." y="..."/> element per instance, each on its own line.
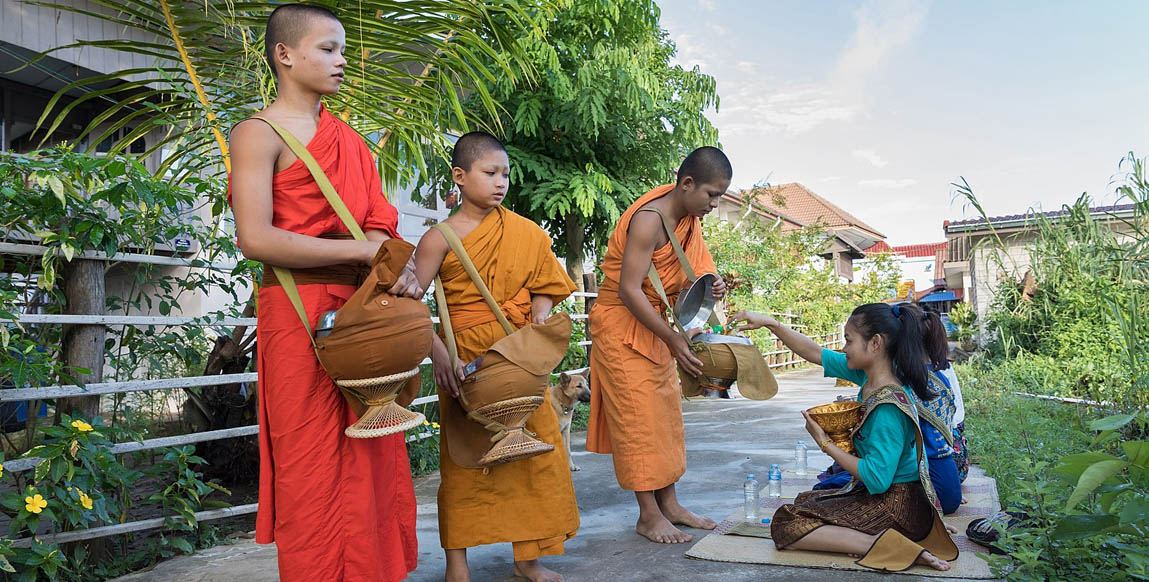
<point x="1086" y="311"/>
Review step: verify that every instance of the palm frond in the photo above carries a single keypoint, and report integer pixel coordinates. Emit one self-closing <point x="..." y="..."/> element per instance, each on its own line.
<point x="408" y="63"/>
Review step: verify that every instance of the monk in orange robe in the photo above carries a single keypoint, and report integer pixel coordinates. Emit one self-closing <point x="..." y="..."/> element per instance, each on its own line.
<point x="528" y="502"/>
<point x="636" y="409"/>
<point x="337" y="508"/>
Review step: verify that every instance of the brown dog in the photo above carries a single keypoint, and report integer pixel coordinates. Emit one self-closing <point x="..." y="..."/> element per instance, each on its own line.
<point x="571" y="389"/>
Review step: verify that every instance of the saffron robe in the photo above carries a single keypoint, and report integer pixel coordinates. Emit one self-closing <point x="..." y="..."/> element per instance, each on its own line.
<point x="635" y="406"/>
<point x="530" y="502"/>
<point x="337" y="508"/>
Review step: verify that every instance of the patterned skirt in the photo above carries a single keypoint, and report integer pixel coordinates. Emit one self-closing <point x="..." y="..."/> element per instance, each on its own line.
<point x="961" y="452"/>
<point x="904" y="507"/>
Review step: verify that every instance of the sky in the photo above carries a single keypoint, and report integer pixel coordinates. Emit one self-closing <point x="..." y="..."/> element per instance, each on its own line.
<point x="880" y="105"/>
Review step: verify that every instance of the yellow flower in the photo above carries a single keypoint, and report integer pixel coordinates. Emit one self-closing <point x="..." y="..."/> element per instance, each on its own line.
<point x="85" y="500"/>
<point x="35" y="503"/>
<point x="425" y="423"/>
<point x="81" y="426"/>
<point x="1" y="469"/>
<point x="435" y="425"/>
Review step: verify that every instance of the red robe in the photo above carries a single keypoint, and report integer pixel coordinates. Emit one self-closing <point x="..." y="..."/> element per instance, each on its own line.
<point x="337" y="508"/>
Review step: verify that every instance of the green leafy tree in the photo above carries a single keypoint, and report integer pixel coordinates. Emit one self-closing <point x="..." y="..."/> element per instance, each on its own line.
<point x="609" y="117"/>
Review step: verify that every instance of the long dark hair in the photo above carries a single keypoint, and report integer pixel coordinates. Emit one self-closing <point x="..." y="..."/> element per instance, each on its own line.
<point x="902" y="329"/>
<point x="935" y="340"/>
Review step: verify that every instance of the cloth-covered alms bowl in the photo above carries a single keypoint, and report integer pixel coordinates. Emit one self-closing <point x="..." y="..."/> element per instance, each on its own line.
<point x="838" y="419"/>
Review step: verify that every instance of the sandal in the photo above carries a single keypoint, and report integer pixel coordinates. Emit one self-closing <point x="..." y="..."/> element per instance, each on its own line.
<point x="983" y="531"/>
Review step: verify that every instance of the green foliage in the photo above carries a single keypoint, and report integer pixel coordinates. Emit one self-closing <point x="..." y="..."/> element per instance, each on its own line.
<point x="771" y="270"/>
<point x="406" y="62"/>
<point x="963" y="317"/>
<point x="80" y="484"/>
<point x="1032" y="448"/>
<point x="1085" y="312"/>
<point x="608" y="118"/>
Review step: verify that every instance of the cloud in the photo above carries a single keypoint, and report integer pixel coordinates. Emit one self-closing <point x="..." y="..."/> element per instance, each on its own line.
<point x="757" y="104"/>
<point x="888" y="183"/>
<point x="881" y="28"/>
<point x="708" y="5"/>
<point x="870" y="156"/>
<point x="829" y="179"/>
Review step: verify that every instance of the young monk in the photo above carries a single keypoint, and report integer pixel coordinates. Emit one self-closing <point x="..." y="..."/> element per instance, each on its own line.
<point x="886" y="514"/>
<point x="337" y="508"/>
<point x="636" y="409"/>
<point x="528" y="502"/>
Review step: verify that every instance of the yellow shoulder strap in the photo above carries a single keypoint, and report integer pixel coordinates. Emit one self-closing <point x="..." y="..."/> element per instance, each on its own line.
<point x="456" y="245"/>
<point x="284" y="275"/>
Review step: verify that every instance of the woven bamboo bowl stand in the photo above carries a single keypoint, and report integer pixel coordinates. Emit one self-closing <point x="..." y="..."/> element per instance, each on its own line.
<point x="383" y="416"/>
<point x="838" y="419"/>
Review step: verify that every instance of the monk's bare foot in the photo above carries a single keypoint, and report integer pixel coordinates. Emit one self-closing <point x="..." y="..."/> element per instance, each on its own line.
<point x="679" y="515"/>
<point x="457" y="568"/>
<point x="928" y="559"/>
<point x="535" y="572"/>
<point x="660" y="530"/>
<point x="951" y="529"/>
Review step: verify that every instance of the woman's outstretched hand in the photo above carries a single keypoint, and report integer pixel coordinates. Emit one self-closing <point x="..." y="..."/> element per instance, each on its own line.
<point x="753" y="320"/>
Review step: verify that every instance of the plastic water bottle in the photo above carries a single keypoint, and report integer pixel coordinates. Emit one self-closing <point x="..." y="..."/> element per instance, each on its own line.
<point x="750" y="491"/>
<point x="774" y="485"/>
<point x="800" y="457"/>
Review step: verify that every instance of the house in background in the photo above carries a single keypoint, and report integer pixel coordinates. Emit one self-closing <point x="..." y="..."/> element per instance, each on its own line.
<point x="970" y="263"/>
<point x="795" y="206"/>
<point x="923" y="279"/>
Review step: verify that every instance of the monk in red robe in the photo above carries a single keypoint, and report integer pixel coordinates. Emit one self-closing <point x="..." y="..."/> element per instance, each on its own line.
<point x="528" y="502"/>
<point x="337" y="508"/>
<point x="635" y="408"/>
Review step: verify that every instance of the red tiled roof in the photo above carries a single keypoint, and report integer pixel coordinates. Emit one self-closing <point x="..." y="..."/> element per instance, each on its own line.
<point x="918" y="250"/>
<point x="804" y="205"/>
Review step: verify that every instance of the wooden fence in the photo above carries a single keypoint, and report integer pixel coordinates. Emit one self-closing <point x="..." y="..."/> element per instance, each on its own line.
<point x="779" y="359"/>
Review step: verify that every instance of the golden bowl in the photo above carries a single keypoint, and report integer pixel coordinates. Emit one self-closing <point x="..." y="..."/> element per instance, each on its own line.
<point x="838" y="419"/>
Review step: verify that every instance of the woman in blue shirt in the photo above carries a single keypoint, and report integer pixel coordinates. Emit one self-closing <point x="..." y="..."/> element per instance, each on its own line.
<point x="886" y="514"/>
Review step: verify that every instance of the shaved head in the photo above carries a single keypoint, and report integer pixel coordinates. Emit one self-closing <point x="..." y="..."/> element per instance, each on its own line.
<point x="288" y="24"/>
<point x="707" y="165"/>
<point x="473" y="146"/>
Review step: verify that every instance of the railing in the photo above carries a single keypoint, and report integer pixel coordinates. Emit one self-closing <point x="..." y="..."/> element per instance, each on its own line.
<point x="958" y="249"/>
<point x="777" y="359"/>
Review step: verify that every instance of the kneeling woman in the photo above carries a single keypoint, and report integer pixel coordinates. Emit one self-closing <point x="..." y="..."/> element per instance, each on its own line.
<point x="886" y="513"/>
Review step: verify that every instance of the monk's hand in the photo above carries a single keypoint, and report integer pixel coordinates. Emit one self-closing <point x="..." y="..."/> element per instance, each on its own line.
<point x="815" y="429"/>
<point x="718" y="289"/>
<point x="690" y="363"/>
<point x="407" y="284"/>
<point x="539" y="318"/>
<point x="447" y="378"/>
<point x="753" y="320"/>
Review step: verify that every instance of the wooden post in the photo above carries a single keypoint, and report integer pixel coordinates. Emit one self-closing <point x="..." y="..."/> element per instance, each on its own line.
<point x="83" y="345"/>
<point x="590" y="284"/>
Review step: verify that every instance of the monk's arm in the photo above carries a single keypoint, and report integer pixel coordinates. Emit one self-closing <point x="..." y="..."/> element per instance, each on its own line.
<point x="641" y="240"/>
<point x="429" y="257"/>
<point x="255" y="147"/>
<point x="428" y="260"/>
<point x="803" y="346"/>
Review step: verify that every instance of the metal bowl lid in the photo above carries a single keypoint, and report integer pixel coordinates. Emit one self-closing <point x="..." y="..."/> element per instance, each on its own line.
<point x="714" y="338"/>
<point x="694" y="305"/>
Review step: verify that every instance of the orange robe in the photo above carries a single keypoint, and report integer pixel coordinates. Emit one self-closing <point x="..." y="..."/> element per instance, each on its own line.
<point x="635" y="406"/>
<point x="337" y="508"/>
<point x="531" y="502"/>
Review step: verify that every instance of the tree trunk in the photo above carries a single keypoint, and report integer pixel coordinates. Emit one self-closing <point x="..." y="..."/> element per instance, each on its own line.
<point x="576" y="236"/>
<point x="83" y="345"/>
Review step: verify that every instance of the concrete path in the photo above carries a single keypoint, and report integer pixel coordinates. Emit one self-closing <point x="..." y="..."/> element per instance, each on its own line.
<point x="725" y="439"/>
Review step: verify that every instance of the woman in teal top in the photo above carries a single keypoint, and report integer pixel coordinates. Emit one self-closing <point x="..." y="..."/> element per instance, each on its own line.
<point x="886" y="514"/>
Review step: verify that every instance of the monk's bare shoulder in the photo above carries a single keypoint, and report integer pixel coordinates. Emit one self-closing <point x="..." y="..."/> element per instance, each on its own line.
<point x="253" y="135"/>
<point x="646" y="229"/>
